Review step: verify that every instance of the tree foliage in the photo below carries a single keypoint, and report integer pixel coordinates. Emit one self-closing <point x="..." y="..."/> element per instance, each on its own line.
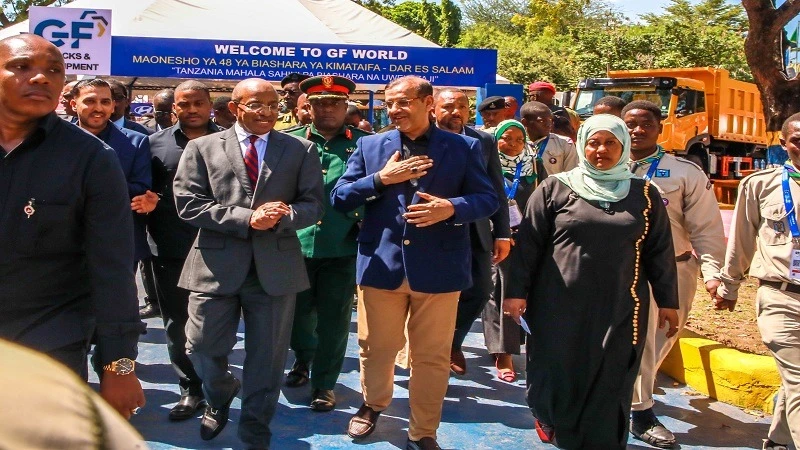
<point x="437" y="22"/>
<point x="15" y="11"/>
<point x="564" y="40"/>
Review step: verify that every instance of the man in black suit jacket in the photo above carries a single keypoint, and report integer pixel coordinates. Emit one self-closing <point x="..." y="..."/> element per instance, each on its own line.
<point x="171" y="238"/>
<point x="121" y="106"/>
<point x="490" y="237"/>
<point x="66" y="237"/>
<point x="93" y="103"/>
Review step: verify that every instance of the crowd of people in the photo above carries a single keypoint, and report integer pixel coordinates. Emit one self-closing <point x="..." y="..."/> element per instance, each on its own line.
<point x="582" y="242"/>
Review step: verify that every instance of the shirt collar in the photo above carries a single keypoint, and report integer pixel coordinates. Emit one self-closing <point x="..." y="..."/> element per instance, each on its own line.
<point x="423" y="137"/>
<point x="120" y="123"/>
<point x="211" y="127"/>
<point x="344" y="131"/>
<point x="242" y="135"/>
<point x="44" y="126"/>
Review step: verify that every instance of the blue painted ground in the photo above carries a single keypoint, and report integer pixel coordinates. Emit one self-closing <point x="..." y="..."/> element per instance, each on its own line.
<point x="480" y="411"/>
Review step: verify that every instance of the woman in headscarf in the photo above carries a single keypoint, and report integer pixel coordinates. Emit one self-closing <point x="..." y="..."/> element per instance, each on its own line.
<point x="591" y="241"/>
<point x="522" y="172"/>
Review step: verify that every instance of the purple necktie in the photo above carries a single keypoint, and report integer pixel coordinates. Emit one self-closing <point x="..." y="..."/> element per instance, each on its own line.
<point x="251" y="161"/>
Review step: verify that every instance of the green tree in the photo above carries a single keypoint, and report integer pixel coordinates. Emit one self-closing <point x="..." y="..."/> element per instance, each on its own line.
<point x="450" y="20"/>
<point x="376" y="6"/>
<point x="15" y="11"/>
<point x="432" y="29"/>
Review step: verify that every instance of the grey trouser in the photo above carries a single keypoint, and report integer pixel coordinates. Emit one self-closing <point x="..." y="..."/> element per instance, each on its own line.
<point x="211" y="335"/>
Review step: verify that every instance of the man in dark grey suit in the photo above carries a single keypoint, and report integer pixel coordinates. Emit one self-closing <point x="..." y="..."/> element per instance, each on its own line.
<point x="248" y="189"/>
<point x="490" y="237"/>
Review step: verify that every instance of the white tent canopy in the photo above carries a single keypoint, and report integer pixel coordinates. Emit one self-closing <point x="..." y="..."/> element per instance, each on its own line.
<point x="292" y="21"/>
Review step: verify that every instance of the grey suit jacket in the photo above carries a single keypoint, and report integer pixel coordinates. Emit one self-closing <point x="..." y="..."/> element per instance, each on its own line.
<point x="212" y="192"/>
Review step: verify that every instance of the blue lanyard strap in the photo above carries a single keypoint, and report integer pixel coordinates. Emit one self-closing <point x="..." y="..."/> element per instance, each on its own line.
<point x="541" y="147"/>
<point x="653" y="160"/>
<point x="511" y="191"/>
<point x="788" y="204"/>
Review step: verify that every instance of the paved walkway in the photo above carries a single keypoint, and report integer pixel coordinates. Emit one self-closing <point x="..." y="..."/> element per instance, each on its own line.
<point x="480" y="411"/>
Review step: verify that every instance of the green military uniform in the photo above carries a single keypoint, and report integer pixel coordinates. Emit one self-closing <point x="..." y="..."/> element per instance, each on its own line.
<point x="322" y="313"/>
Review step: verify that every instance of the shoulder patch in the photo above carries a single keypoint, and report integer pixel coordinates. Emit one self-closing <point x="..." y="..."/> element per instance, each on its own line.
<point x="662" y="173"/>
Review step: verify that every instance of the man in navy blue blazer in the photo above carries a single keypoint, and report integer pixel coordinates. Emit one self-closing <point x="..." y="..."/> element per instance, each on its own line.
<point x="420" y="186"/>
<point x="93" y="102"/>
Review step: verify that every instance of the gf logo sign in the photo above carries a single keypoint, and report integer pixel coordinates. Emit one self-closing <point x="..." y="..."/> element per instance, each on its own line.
<point x="78" y="30"/>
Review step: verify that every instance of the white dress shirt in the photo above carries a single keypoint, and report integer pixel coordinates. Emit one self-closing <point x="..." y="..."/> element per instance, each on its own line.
<point x="244" y="143"/>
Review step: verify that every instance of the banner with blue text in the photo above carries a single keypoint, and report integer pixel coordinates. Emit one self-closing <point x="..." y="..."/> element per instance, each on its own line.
<point x="236" y="60"/>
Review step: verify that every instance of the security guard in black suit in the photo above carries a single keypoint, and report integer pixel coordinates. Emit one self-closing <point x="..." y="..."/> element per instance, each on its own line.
<point x="66" y="232"/>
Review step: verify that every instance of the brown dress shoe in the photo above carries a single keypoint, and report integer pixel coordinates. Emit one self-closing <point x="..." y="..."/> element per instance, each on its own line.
<point x="362" y="424"/>
<point x="458" y="363"/>
<point x="426" y="443"/>
<point x="323" y="400"/>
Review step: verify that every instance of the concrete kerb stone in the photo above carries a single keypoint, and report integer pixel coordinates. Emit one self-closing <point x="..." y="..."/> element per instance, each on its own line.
<point x="742" y="379"/>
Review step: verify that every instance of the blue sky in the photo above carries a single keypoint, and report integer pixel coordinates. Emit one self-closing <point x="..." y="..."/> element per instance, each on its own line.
<point x="633" y="8"/>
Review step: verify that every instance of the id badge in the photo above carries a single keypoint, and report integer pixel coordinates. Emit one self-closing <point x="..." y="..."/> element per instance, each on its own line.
<point x="514" y="214"/>
<point x="794" y="267"/>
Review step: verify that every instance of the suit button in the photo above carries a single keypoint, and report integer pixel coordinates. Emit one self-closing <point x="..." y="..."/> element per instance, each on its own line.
<point x="319" y="223"/>
<point x="324" y="171"/>
<point x="406" y="242"/>
<point x="355" y="214"/>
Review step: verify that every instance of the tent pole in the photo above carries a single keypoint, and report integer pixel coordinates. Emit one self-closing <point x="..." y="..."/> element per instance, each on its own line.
<point x="371" y="110"/>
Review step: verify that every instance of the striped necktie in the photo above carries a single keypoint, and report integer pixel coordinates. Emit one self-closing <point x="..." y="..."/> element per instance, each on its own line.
<point x="251" y="160"/>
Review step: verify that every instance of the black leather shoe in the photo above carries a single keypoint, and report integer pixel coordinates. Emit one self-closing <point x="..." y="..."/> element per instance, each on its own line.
<point x="214" y="420"/>
<point x="298" y="376"/>
<point x="653" y="433"/>
<point x="769" y="445"/>
<point x="186" y="407"/>
<point x="323" y="400"/>
<point x="426" y="443"/>
<point x="149" y="310"/>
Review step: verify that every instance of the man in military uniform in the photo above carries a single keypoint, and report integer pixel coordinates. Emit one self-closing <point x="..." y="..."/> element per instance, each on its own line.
<point x="556" y="152"/>
<point x="492" y="111"/>
<point x="290" y="85"/>
<point x="696" y="228"/>
<point x="322" y="314"/>
<point x="764" y="231"/>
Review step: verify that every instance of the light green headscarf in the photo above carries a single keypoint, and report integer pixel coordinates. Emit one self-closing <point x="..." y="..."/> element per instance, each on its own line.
<point x="610" y="185"/>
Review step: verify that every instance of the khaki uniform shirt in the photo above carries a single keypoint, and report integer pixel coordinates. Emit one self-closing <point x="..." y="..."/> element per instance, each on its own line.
<point x="559" y="154"/>
<point x="693" y="211"/>
<point x="759" y="232"/>
<point x="285" y="120"/>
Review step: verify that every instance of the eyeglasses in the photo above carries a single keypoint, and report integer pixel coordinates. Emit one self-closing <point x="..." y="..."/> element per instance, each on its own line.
<point x="402" y="103"/>
<point x="162" y="113"/>
<point x="290" y="92"/>
<point x="257" y="107"/>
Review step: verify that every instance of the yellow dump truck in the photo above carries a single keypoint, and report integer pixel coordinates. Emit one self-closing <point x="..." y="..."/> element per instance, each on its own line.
<point x="706" y="114"/>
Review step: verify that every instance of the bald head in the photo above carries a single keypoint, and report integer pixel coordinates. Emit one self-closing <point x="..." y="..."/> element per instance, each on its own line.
<point x="31" y="78"/>
<point x="511" y="106"/>
<point x="251" y="85"/>
<point x="254" y="102"/>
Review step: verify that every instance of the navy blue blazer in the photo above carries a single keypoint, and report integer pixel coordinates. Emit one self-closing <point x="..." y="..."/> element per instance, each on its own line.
<point x="434" y="259"/>
<point x="133" y="151"/>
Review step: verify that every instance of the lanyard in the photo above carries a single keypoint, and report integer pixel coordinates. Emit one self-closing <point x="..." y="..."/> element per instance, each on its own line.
<point x="541" y="147"/>
<point x="788" y="204"/>
<point x="653" y="166"/>
<point x="511" y="191"/>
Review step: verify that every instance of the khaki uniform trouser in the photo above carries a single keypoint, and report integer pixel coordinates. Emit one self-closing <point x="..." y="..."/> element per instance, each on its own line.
<point x="383" y="317"/>
<point x="779" y="323"/>
<point x="658" y="345"/>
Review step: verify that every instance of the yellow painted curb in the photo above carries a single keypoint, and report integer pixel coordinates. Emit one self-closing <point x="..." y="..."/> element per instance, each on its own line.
<point x="731" y="376"/>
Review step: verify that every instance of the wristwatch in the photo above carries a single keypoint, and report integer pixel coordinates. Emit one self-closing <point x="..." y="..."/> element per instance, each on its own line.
<point x="122" y="366"/>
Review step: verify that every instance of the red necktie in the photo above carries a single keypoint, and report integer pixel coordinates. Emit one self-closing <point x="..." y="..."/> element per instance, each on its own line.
<point x="251" y="161"/>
